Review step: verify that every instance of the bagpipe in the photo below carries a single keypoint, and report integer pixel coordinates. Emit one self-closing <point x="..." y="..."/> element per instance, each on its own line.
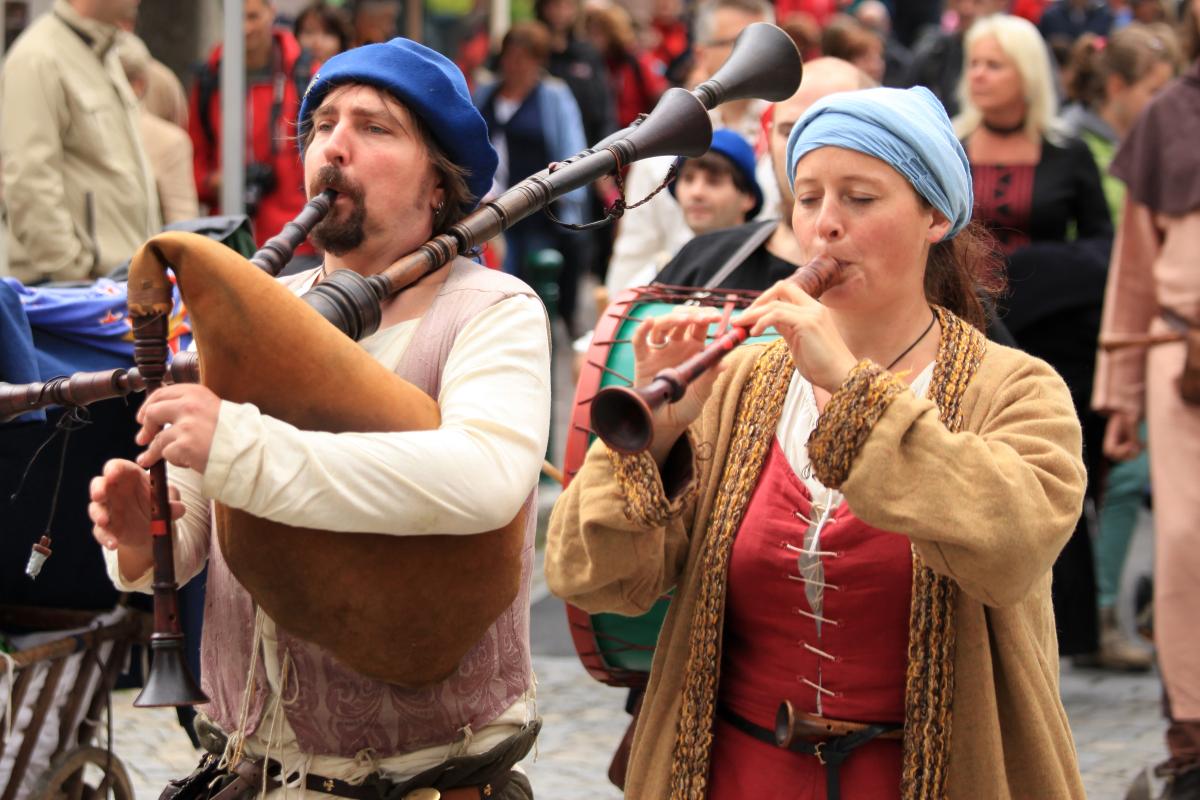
<point x="326" y="588"/>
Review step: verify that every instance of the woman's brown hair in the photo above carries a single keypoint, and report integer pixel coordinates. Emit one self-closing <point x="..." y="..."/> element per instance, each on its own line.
<point x="847" y="38"/>
<point x="332" y="20"/>
<point x="1190" y="34"/>
<point x="965" y="274"/>
<point x="1130" y="53"/>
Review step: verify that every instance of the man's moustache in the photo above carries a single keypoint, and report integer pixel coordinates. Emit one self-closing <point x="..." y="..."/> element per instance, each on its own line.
<point x="336" y="181"/>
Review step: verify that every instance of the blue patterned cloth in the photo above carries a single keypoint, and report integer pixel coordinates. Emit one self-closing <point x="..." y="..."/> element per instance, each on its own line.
<point x="71" y="329"/>
<point x="907" y="129"/>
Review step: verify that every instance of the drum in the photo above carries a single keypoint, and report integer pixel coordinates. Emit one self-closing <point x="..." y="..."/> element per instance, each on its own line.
<point x="615" y="649"/>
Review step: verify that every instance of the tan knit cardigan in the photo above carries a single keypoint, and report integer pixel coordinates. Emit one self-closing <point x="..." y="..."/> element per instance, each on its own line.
<point x="985" y="478"/>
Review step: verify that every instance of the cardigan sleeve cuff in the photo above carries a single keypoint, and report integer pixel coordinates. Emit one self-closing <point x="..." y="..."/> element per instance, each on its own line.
<point x="653" y="497"/>
<point x="847" y="421"/>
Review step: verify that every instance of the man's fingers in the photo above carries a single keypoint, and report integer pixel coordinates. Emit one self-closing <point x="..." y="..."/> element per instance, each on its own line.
<point x="104" y="537"/>
<point x="98" y="514"/>
<point x="175" y="452"/>
<point x="151" y="455"/>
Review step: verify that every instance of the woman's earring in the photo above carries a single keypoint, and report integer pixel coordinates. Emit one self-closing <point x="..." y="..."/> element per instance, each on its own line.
<point x="438" y="208"/>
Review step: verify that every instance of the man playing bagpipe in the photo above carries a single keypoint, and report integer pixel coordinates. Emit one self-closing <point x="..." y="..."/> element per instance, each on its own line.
<point x="389" y="127"/>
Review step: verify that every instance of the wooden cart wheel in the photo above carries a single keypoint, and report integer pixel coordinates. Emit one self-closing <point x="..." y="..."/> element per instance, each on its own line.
<point x="81" y="774"/>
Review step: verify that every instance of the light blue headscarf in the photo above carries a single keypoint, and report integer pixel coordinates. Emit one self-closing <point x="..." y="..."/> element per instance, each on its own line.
<point x="905" y="128"/>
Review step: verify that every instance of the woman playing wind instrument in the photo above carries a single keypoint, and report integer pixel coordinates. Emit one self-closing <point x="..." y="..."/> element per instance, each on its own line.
<point x="858" y="520"/>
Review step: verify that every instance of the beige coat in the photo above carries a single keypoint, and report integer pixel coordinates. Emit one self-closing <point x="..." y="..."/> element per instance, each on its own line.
<point x="165" y="97"/>
<point x="71" y="151"/>
<point x="989" y="507"/>
<point x="1153" y="266"/>
<point x="169" y="149"/>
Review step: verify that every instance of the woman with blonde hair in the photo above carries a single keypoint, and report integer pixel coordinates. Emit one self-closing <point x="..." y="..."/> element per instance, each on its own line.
<point x="1032" y="182"/>
<point x="1039" y="192"/>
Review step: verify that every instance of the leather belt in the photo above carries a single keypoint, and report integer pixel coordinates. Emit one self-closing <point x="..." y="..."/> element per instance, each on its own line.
<point x="830" y="741"/>
<point x="318" y="783"/>
<point x="248" y="775"/>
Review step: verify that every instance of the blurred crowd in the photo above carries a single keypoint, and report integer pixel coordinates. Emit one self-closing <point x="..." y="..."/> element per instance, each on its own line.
<point x="102" y="145"/>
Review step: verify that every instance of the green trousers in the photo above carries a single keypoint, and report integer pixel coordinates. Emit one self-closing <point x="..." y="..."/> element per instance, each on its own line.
<point x="1123" y="496"/>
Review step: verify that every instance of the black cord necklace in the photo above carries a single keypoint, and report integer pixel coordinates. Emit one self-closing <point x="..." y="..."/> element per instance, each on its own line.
<point x="1000" y="130"/>
<point x="908" y="349"/>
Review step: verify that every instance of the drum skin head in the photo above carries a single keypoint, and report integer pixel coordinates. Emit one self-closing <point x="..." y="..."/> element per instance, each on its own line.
<point x="615" y="649"/>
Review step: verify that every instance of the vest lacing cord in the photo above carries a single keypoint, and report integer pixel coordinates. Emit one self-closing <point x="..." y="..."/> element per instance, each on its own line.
<point x="274" y="731"/>
<point x="235" y="744"/>
<point x="619" y="206"/>
<point x="366" y="762"/>
<point x="801" y="550"/>
<point x="462" y="743"/>
<point x="531" y="708"/>
<point x="10" y="666"/>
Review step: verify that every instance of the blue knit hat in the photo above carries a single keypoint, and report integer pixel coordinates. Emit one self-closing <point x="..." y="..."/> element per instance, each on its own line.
<point x="731" y="145"/>
<point x="907" y="129"/>
<point x="429" y="85"/>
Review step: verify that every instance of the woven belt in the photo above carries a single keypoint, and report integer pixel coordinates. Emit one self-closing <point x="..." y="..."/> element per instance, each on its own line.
<point x="830" y="750"/>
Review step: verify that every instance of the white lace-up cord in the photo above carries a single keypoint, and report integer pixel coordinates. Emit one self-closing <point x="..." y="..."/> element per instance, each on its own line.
<point x="236" y="743"/>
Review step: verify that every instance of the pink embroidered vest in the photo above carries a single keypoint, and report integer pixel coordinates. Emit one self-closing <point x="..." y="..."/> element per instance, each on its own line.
<point x="333" y="710"/>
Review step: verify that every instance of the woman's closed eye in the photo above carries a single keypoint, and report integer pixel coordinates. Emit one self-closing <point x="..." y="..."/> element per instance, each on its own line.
<point x="814" y="201"/>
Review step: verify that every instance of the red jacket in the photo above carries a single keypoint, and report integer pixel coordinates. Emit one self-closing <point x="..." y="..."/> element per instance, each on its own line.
<point x="282" y="203"/>
<point x="637" y="82"/>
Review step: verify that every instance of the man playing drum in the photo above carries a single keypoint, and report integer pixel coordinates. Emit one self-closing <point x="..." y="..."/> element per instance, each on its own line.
<point x="391" y="128"/>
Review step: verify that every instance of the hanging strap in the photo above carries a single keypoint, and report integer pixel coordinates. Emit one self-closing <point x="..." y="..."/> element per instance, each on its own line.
<point x="757" y="238"/>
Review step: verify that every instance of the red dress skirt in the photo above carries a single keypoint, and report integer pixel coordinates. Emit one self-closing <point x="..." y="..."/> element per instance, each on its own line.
<point x="846" y="662"/>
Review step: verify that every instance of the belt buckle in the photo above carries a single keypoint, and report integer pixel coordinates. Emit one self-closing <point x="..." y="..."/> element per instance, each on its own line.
<point x="423" y="794"/>
<point x="820" y="755"/>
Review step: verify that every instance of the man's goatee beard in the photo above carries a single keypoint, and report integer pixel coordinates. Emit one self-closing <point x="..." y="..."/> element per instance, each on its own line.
<point x="333" y="235"/>
<point x="340" y="236"/>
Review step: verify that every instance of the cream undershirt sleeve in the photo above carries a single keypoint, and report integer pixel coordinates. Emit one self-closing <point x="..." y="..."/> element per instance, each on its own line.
<point x="470" y="475"/>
